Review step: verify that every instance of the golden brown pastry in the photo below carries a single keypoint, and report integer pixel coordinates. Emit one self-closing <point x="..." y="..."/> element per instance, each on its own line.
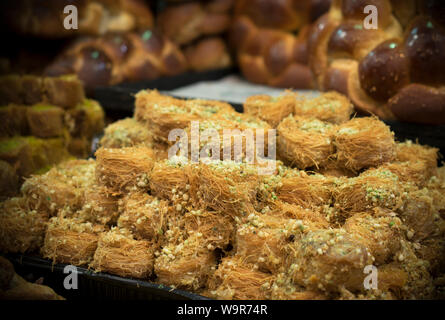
<point x="70" y="241"/>
<point x="45" y="120"/>
<point x="124" y="170"/>
<point x="270" y="109"/>
<point x="22" y="230"/>
<point x="327" y="260"/>
<point x="363" y="142"/>
<point x="161" y="113"/>
<point x="235" y="279"/>
<point x="118" y="253"/>
<point x="186" y="265"/>
<point x="304" y="142"/>
<point x="287" y="15"/>
<point x="66" y="91"/>
<point x="126" y="133"/>
<point x="145" y="216"/>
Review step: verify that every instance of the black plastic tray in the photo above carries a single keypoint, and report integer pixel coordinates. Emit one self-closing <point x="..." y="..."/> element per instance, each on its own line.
<point x="94" y="285"/>
<point x="120" y="98"/>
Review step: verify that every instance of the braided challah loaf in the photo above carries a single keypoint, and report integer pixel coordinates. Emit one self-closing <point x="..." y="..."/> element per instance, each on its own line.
<point x="286" y="15"/>
<point x="183" y="23"/>
<point x="207" y="54"/>
<point x="95" y="17"/>
<point x="114" y="58"/>
<point x="270" y="38"/>
<point x="394" y="71"/>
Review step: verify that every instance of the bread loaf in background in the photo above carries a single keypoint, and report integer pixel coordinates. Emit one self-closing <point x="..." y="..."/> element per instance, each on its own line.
<point x="114" y="58"/>
<point x="45" y="19"/>
<point x="199" y="29"/>
<point x="207" y="54"/>
<point x="396" y="71"/>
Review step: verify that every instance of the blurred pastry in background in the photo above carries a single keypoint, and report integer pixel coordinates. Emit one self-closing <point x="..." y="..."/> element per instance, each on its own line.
<point x="118" y="57"/>
<point x="207" y="54"/>
<point x="183" y="23"/>
<point x="45" y="121"/>
<point x="14" y="287"/>
<point x="395" y="71"/>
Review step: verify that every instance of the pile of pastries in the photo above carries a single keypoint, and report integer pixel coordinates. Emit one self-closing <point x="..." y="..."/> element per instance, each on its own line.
<point x="343" y="195"/>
